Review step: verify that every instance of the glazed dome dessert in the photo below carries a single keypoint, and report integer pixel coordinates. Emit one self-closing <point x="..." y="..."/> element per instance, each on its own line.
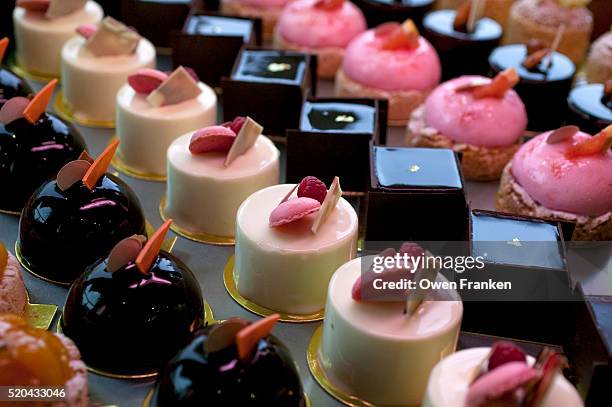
<point x="11" y="85"/>
<point x="563" y="174"/>
<point x="231" y="363"/>
<point x="267" y="10"/>
<point x="482" y="118"/>
<point x="86" y="212"/>
<point x="390" y="62"/>
<point x="13" y="294"/>
<point x="36" y="357"/>
<point x="321" y="27"/>
<point x="34" y="145"/>
<point x="130" y="312"/>
<point x="599" y="61"/>
<point x="590" y="106"/>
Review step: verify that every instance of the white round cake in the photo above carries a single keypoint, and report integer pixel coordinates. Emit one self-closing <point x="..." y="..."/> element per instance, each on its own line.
<point x="288" y="268"/>
<point x="374" y="351"/>
<point x="203" y="195"/>
<point x="90" y="83"/>
<point x="39" y="40"/>
<point x="146" y="131"/>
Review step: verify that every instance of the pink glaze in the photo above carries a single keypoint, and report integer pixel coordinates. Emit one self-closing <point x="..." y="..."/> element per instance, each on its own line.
<point x="292" y="210"/>
<point x="499" y="383"/>
<point x="264" y="3"/>
<point x="366" y="63"/>
<point x="582" y="185"/>
<point x="486" y="122"/>
<point x="304" y="24"/>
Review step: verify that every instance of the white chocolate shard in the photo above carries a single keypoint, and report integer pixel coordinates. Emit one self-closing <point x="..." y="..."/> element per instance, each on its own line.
<point x="245" y="139"/>
<point x="329" y="204"/>
<point x="112" y="38"/>
<point x="177" y="88"/>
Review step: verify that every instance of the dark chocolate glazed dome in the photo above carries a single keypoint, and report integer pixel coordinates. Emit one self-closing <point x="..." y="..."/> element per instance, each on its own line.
<point x="12" y="85"/>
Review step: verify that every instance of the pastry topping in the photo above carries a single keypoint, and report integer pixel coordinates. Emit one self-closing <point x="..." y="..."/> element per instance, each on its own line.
<point x="71" y="173"/>
<point x="13" y="109"/>
<point x="329" y="4"/>
<point x="149" y="252"/>
<point x="236" y="124"/>
<point x="388" y="274"/>
<point x="212" y="139"/>
<point x="34" y="5"/>
<point x="146" y="80"/>
<point x="246" y="138"/>
<point x="562" y="134"/>
<point x="328" y="205"/>
<point x="462" y="15"/>
<point x="87" y="30"/>
<point x="385" y="29"/>
<point x="503" y="383"/>
<point x="100" y="165"/>
<point x="4" y="42"/>
<point x="248" y="337"/>
<point x="39" y="102"/>
<point x="498" y="87"/>
<point x="598" y="144"/>
<point x="223" y="335"/>
<point x="534" y="59"/>
<point x="3" y="257"/>
<point x="312" y="187"/>
<point x="292" y="210"/>
<point x="59" y="8"/>
<point x="112" y="38"/>
<point x="504" y="352"/>
<point x="417" y="295"/>
<point x="535" y="44"/>
<point x="86" y="157"/>
<point x="550" y="368"/>
<point x="125" y="252"/>
<point x="404" y="36"/>
<point x="176" y="88"/>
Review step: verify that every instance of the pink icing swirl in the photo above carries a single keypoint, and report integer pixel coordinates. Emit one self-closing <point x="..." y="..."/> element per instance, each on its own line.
<point x="581" y="185"/>
<point x="485" y="122"/>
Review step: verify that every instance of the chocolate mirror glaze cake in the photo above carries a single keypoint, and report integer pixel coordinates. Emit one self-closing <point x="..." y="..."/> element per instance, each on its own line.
<point x="156" y="19"/>
<point x="381" y="11"/>
<point x="543" y="88"/>
<point x="461" y="52"/>
<point x="12" y="85"/>
<point x="590" y="107"/>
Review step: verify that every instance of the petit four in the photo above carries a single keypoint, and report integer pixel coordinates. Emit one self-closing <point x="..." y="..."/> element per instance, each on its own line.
<point x="498" y="10"/>
<point x="378" y="12"/>
<point x="156" y="20"/>
<point x="147" y="124"/>
<point x="545" y="80"/>
<point x="38" y="358"/>
<point x="542" y="18"/>
<point x="590" y="106"/>
<point x="390" y="62"/>
<point x="11" y="85"/>
<point x="231" y="363"/>
<point x="96" y="64"/>
<point x="563" y="174"/>
<point x="599" y="61"/>
<point x="267" y="10"/>
<point x="13" y="294"/>
<point x="214" y="169"/>
<point x="502" y="375"/>
<point x="42" y="28"/>
<point x="34" y="146"/>
<point x="311" y="234"/>
<point x="130" y="312"/>
<point x="321" y="27"/>
<point x="73" y="220"/>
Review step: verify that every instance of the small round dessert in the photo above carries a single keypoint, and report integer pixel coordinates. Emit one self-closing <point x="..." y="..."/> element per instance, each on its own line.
<point x="39" y="39"/>
<point x="213" y="369"/>
<point x="378" y="12"/>
<point x="375" y="351"/>
<point x="321" y="27"/>
<point x="565" y="174"/>
<point x="36" y="357"/>
<point x="390" y="62"/>
<point x="464" y="115"/>
<point x="462" y="52"/>
<point x="13" y="294"/>
<point x="267" y="10"/>
<point x="599" y="61"/>
<point x="543" y="86"/>
<point x="590" y="106"/>
<point x="542" y="18"/>
<point x="498" y="10"/>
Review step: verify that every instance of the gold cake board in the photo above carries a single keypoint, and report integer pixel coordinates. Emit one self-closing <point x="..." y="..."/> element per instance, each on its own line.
<point x="147" y="401"/>
<point x="118" y="163"/>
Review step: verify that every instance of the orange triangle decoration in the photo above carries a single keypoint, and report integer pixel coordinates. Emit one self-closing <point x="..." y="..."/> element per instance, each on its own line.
<point x="100" y="165"/>
<point x="4" y="42"/>
<point x="248" y="337"/>
<point x="39" y="102"/>
<point x="151" y="249"/>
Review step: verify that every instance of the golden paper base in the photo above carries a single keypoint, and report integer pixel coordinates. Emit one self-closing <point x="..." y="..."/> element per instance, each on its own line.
<point x="121" y="166"/>
<point x="16" y="67"/>
<point x="7" y="212"/>
<point x="39" y="315"/>
<point x="230" y="285"/>
<point x="147" y="400"/>
<point x="66" y="112"/>
<point x="196" y="236"/>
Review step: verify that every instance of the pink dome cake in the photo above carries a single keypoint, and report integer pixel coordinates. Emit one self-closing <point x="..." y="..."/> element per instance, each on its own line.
<point x="267" y="10"/>
<point x="481" y="118"/>
<point x="390" y="62"/>
<point x="321" y="27"/>
<point x="563" y="174"/>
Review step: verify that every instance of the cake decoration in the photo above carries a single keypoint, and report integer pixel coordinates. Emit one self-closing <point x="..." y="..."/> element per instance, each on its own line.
<point x="13" y="109"/>
<point x="100" y="165"/>
<point x="86" y="169"/>
<point x="124" y="252"/>
<point x="4" y="42"/>
<point x="112" y="38"/>
<point x="39" y="102"/>
<point x="292" y="210"/>
<point x="86" y="157"/>
<point x="245" y="139"/>
<point x="399" y="36"/>
<point x="598" y="144"/>
<point x="212" y="139"/>
<point x="312" y="187"/>
<point x="496" y="88"/>
<point x="417" y="296"/>
<point x="86" y="30"/>
<point x="71" y="173"/>
<point x="52" y="8"/>
<point x="176" y="88"/>
<point x="249" y="336"/>
<point x="149" y="252"/>
<point x="562" y="134"/>
<point x="146" y="80"/>
<point x="329" y="204"/>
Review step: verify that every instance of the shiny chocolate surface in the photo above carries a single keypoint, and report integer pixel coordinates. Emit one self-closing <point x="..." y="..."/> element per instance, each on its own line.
<point x="12" y="85"/>
<point x="219" y="26"/>
<point x="338" y="117"/>
<point x="271" y="67"/>
<point x="592" y="109"/>
<point x="513" y="56"/>
<point x="441" y="21"/>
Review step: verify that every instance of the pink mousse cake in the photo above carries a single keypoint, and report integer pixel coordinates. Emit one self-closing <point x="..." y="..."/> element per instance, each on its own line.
<point x="568" y="176"/>
<point x="13" y="295"/>
<point x="268" y="10"/>
<point x="390" y="62"/>
<point x="321" y="27"/>
<point x="486" y="130"/>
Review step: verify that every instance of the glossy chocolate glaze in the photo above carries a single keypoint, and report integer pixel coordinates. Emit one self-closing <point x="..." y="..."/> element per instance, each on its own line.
<point x="127" y="322"/>
<point x="271" y="67"/>
<point x="31" y="154"/>
<point x="155" y="20"/>
<point x="338" y="117"/>
<point x="380" y="11"/>
<point x="194" y="377"/>
<point x="62" y="232"/>
<point x="12" y="85"/>
<point x="589" y="108"/>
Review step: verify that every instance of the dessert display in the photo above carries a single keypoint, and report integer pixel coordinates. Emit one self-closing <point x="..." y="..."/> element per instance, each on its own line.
<point x="34" y="145"/>
<point x="484" y="119"/>
<point x="95" y="65"/>
<point x="463" y="44"/>
<point x="217" y="168"/>
<point x="13" y="294"/>
<point x="211" y="34"/>
<point x="86" y="212"/>
<point x="268" y="11"/>
<point x="545" y="80"/>
<point x="409" y="187"/>
<point x="390" y="62"/>
<point x="542" y="18"/>
<point x="599" y="61"/>
<point x="321" y="27"/>
<point x="497" y="10"/>
<point x="590" y="106"/>
<point x="269" y="86"/>
<point x="503" y="374"/>
<point x="155" y="108"/>
<point x="11" y="84"/>
<point x="43" y="27"/>
<point x="130" y="312"/>
<point x="378" y="12"/>
<point x="235" y="362"/>
<point x="39" y="358"/>
<point x="338" y="132"/>
<point x="563" y="174"/>
<point x="311" y="234"/>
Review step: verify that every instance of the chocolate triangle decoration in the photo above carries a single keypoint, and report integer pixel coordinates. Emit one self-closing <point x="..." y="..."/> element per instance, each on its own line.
<point x="100" y="165"/>
<point x="4" y="43"/>
<point x="329" y="204"/>
<point x="248" y="337"/>
<point x="59" y="8"/>
<point x="86" y="157"/>
<point x="149" y="252"/>
<point x="39" y="102"/>
<point x="245" y="139"/>
<point x="13" y="109"/>
<point x="124" y="252"/>
<point x="223" y="335"/>
<point x="417" y="296"/>
<point x="177" y="88"/>
<point x="71" y="173"/>
<point x="112" y="38"/>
